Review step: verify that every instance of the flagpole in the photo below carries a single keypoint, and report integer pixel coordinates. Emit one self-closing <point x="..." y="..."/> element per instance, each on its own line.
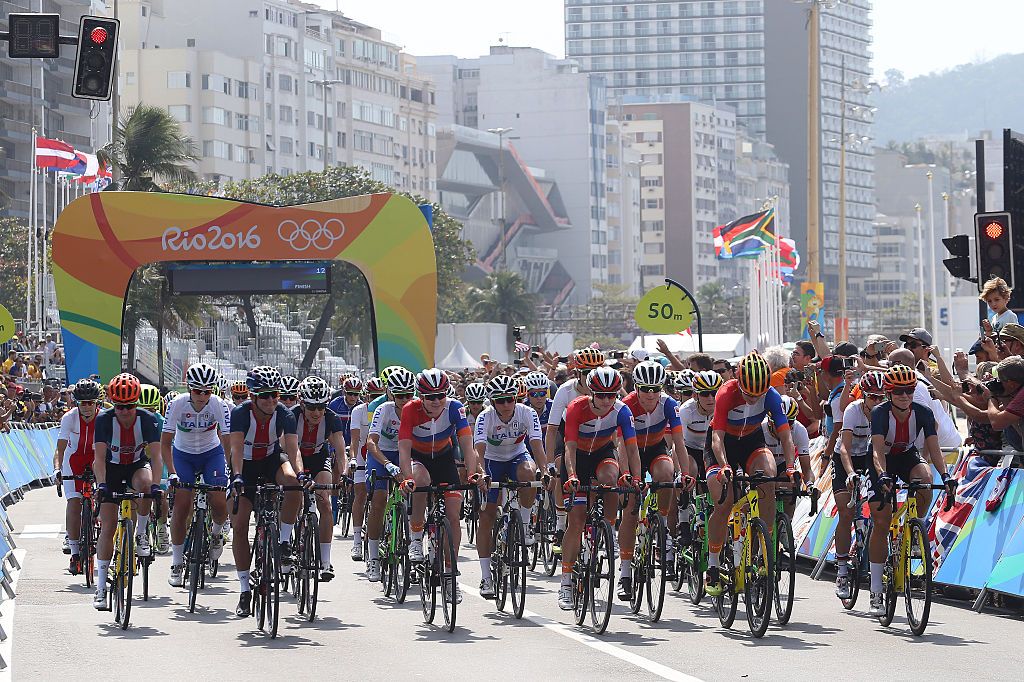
<point x="31" y="233"/>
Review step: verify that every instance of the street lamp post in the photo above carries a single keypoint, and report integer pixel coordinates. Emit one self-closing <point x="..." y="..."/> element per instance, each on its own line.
<point x="501" y="133"/>
<point x="325" y="83"/>
<point x="842" y="331"/>
<point x="920" y="264"/>
<point x="949" y="282"/>
<point x="931" y="255"/>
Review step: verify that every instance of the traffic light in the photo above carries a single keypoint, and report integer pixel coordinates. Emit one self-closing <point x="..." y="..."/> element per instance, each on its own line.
<point x="94" y="64"/>
<point x="960" y="264"/>
<point x="33" y="36"/>
<point x="995" y="246"/>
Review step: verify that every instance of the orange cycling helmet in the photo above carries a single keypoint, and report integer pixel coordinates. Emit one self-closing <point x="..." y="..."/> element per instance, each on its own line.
<point x="589" y="358"/>
<point x="754" y="375"/>
<point x="240" y="389"/>
<point x="899" y="376"/>
<point x="124" y="388"/>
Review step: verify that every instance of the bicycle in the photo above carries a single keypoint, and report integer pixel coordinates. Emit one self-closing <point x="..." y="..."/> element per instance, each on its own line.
<point x="266" y="566"/>
<point x="692" y="560"/>
<point x="123" y="564"/>
<point x="857" y="565"/>
<point x="508" y="554"/>
<point x="748" y="564"/>
<point x="649" y="562"/>
<point x="471" y="513"/>
<point x="308" y="566"/>
<point x="439" y="566"/>
<point x="346" y="498"/>
<point x="393" y="555"/>
<point x="197" y="540"/>
<point x="593" y="573"/>
<point x="90" y="523"/>
<point x="785" y="548"/>
<point x="908" y="565"/>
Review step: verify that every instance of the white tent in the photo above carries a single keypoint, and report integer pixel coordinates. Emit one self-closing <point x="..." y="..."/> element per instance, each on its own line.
<point x="458" y="358"/>
<point x="723" y="346"/>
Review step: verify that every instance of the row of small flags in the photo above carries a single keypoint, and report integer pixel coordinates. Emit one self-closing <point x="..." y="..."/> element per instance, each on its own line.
<point x="750" y="236"/>
<point x="67" y="161"/>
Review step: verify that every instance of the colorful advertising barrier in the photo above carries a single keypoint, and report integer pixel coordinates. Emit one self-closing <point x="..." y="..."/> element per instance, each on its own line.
<point x="101" y="239"/>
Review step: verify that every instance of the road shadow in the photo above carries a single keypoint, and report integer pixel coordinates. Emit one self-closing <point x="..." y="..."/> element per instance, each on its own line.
<point x="438" y="633"/>
<point x="152" y="602"/>
<point x="806" y="628"/>
<point x="202" y="614"/>
<point x="323" y="623"/>
<point x="772" y="639"/>
<point x="627" y="639"/>
<point x="507" y="619"/>
<point x="285" y="640"/>
<point x="133" y="632"/>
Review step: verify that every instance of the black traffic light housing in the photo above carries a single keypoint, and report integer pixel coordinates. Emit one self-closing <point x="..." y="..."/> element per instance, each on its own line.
<point x="960" y="264"/>
<point x="994" y="235"/>
<point x="33" y="36"/>
<point x="94" y="63"/>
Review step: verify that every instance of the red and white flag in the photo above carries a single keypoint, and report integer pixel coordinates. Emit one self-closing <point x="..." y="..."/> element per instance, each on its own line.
<point x="54" y="154"/>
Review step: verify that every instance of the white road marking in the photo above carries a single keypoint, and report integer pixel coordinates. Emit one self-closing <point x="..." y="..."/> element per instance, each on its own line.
<point x="7" y="620"/>
<point x="43" y="530"/>
<point x="572" y="633"/>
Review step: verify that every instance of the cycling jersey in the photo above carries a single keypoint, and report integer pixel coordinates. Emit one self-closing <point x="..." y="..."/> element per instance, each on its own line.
<point x="835" y="414"/>
<point x="385" y="423"/>
<point x="377" y="402"/>
<point x="801" y="441"/>
<point x="126" y="445"/>
<point x="859" y="424"/>
<point x="900" y="436"/>
<point x="736" y="417"/>
<point x="593" y="433"/>
<point x="652" y="427"/>
<point x="313" y="438"/>
<point x="543" y="414"/>
<point x="359" y="419"/>
<point x="505" y="441"/>
<point x="262" y="440"/>
<point x="565" y="394"/>
<point x="695" y="424"/>
<point x="79" y="435"/>
<point x="432" y="436"/>
<point x="196" y="431"/>
<point x="344" y="413"/>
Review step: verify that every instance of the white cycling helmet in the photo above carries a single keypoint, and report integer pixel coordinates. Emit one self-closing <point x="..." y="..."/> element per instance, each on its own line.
<point x="649" y="373"/>
<point x="223" y="386"/>
<point x="201" y="376"/>
<point x="314" y="390"/>
<point x="289" y="386"/>
<point x="537" y="381"/>
<point x="476" y="392"/>
<point x="401" y="380"/>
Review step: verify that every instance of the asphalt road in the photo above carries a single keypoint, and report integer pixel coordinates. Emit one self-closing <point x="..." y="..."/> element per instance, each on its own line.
<point x="360" y="634"/>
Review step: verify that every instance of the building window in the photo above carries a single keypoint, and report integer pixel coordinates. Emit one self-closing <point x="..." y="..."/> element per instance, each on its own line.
<point x="179" y="79"/>
<point x="180" y="112"/>
<point x="217" y="149"/>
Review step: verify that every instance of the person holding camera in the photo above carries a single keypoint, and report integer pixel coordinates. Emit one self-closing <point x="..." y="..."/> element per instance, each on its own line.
<point x="838" y="375"/>
<point x="973" y="397"/>
<point x="1006" y="403"/>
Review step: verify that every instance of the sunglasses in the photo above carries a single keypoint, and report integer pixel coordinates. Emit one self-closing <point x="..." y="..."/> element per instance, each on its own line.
<point x="502" y="401"/>
<point x="434" y="396"/>
<point x="124" y="407"/>
<point x="910" y="345"/>
<point x="538" y="394"/>
<point x="402" y="396"/>
<point x="902" y="391"/>
<point x="351" y="395"/>
<point x="648" y="389"/>
<point x="475" y="402"/>
<point x="199" y="391"/>
<point x="268" y="395"/>
<point x="606" y="396"/>
<point x="87" y="402"/>
<point x="290" y="398"/>
<point x="721" y="370"/>
<point x="706" y="394"/>
<point x="314" y="407"/>
<point x="876" y="396"/>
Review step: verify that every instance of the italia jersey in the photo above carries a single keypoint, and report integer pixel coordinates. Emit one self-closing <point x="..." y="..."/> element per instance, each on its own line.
<point x="592" y="432"/>
<point x="262" y="440"/>
<point x="196" y="431"/>
<point x="737" y="418"/>
<point x="126" y="444"/>
<point x="385" y="423"/>
<point x="313" y="438"/>
<point x="79" y="435"/>
<point x="432" y="436"/>
<point x="344" y="414"/>
<point x="504" y="441"/>
<point x="652" y="427"/>
<point x="900" y="436"/>
<point x="695" y="424"/>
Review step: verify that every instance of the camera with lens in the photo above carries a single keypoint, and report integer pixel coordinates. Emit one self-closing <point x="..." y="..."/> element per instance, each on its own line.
<point x="995" y="387"/>
<point x="795" y="376"/>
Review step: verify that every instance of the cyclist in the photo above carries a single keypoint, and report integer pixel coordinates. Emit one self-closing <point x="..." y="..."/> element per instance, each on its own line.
<point x="223" y="388"/>
<point x="500" y="436"/>
<point x="193" y="439"/>
<point x="264" y="449"/>
<point x="126" y="444"/>
<point x="150" y="399"/>
<point x="74" y="456"/>
<point x="317" y="427"/>
<point x="656" y="421"/>
<point x="428" y="426"/>
<point x="801" y="446"/>
<point x="895" y="427"/>
<point x="695" y="416"/>
<point x="850" y="461"/>
<point x="591" y="421"/>
<point x="476" y="400"/>
<point x="239" y="393"/>
<point x="382" y="398"/>
<point x="359" y="433"/>
<point x="382" y="448"/>
<point x="680" y="385"/>
<point x="342" y="402"/>
<point x="737" y="441"/>
<point x="289" y="391"/>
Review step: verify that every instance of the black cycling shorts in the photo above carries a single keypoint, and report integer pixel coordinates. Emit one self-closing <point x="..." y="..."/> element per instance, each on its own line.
<point x="648" y="455"/>
<point x="318" y="462"/>
<point x="119" y="476"/>
<point x="441" y="466"/>
<point x="739" y="450"/>
<point x="257" y="471"/>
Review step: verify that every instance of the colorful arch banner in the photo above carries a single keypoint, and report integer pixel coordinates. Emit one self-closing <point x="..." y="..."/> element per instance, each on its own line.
<point x="102" y="238"/>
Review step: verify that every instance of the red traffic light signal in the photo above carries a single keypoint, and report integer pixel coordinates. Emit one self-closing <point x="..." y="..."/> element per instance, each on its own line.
<point x="994" y="234"/>
<point x="98" y="35"/>
<point x="94" y="63"/>
<point x="994" y="230"/>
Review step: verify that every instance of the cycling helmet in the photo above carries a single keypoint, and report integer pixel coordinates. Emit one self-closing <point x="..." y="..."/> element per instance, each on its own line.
<point x="502" y="386"/>
<point x="522" y="386"/>
<point x="239" y="389"/>
<point x="604" y="380"/>
<point x="374" y="386"/>
<point x="680" y="382"/>
<point x="352" y="385"/>
<point x="648" y="373"/>
<point x="401" y="380"/>
<point x="589" y="358"/>
<point x="432" y="381"/>
<point x="872" y="382"/>
<point x="708" y="380"/>
<point x="537" y="381"/>
<point x="263" y="378"/>
<point x="387" y="372"/>
<point x="314" y="390"/>
<point x="476" y="392"/>
<point x="86" y="389"/>
<point x="899" y="375"/>
<point x="124" y="388"/>
<point x="289" y="387"/>
<point x="791" y="407"/>
<point x="452" y="393"/>
<point x="169" y="397"/>
<point x="753" y="374"/>
<point x="223" y="386"/>
<point x="201" y="376"/>
<point x="149" y="397"/>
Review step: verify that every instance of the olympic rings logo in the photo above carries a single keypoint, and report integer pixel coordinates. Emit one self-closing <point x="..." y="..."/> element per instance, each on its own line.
<point x="311" y="233"/>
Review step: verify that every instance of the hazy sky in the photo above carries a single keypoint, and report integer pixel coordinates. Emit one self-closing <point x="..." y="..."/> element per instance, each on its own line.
<point x="915" y="36"/>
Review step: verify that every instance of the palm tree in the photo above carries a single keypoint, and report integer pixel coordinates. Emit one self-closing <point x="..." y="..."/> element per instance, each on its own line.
<point x="149" y="145"/>
<point x="502" y="297"/>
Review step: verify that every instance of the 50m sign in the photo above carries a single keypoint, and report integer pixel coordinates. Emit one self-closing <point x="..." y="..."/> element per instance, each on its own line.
<point x="665" y="310"/>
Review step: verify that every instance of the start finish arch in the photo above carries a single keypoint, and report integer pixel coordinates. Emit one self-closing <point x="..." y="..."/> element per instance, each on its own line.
<point x="101" y="239"/>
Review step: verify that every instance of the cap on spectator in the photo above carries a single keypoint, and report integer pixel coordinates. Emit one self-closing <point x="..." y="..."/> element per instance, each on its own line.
<point x="917" y="334"/>
<point x="1011" y="368"/>
<point x="845" y="349"/>
<point x="640" y="355"/>
<point x="1014" y="331"/>
<point x="664" y="361"/>
<point x="975" y="348"/>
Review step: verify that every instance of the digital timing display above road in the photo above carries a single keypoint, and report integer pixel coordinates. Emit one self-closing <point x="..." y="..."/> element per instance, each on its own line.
<point x="296" y="277"/>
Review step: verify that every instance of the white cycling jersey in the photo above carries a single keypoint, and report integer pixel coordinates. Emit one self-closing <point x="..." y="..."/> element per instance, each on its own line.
<point x="386" y="421"/>
<point x="695" y="424"/>
<point x="196" y="432"/>
<point x="565" y="394"/>
<point x="504" y="441"/>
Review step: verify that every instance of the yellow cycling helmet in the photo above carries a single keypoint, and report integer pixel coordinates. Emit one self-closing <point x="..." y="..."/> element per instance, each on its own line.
<point x="150" y="398"/>
<point x="754" y="375"/>
<point x="589" y="358"/>
<point x="899" y="376"/>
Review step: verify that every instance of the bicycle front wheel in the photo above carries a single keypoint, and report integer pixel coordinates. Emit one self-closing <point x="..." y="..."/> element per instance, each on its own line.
<point x="657" y="576"/>
<point x="602" y="577"/>
<point x="310" y="570"/>
<point x="499" y="559"/>
<point x="760" y="578"/>
<point x="889" y="586"/>
<point x="725" y="603"/>
<point x="785" y="569"/>
<point x="386" y="561"/>
<point x="345" y="510"/>
<point x="515" y="566"/>
<point x="258" y="580"/>
<point x="858" y="561"/>
<point x="88" y="545"/>
<point x="126" y="571"/>
<point x="917" y="580"/>
<point x="272" y="578"/>
<point x="640" y="567"/>
<point x="449" y="573"/>
<point x="472" y="515"/>
<point x="430" y="576"/>
<point x="196" y="557"/>
<point x="400" y="545"/>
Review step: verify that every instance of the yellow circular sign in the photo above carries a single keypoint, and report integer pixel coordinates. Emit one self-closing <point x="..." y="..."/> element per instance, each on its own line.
<point x="7" y="330"/>
<point x="665" y="310"/>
